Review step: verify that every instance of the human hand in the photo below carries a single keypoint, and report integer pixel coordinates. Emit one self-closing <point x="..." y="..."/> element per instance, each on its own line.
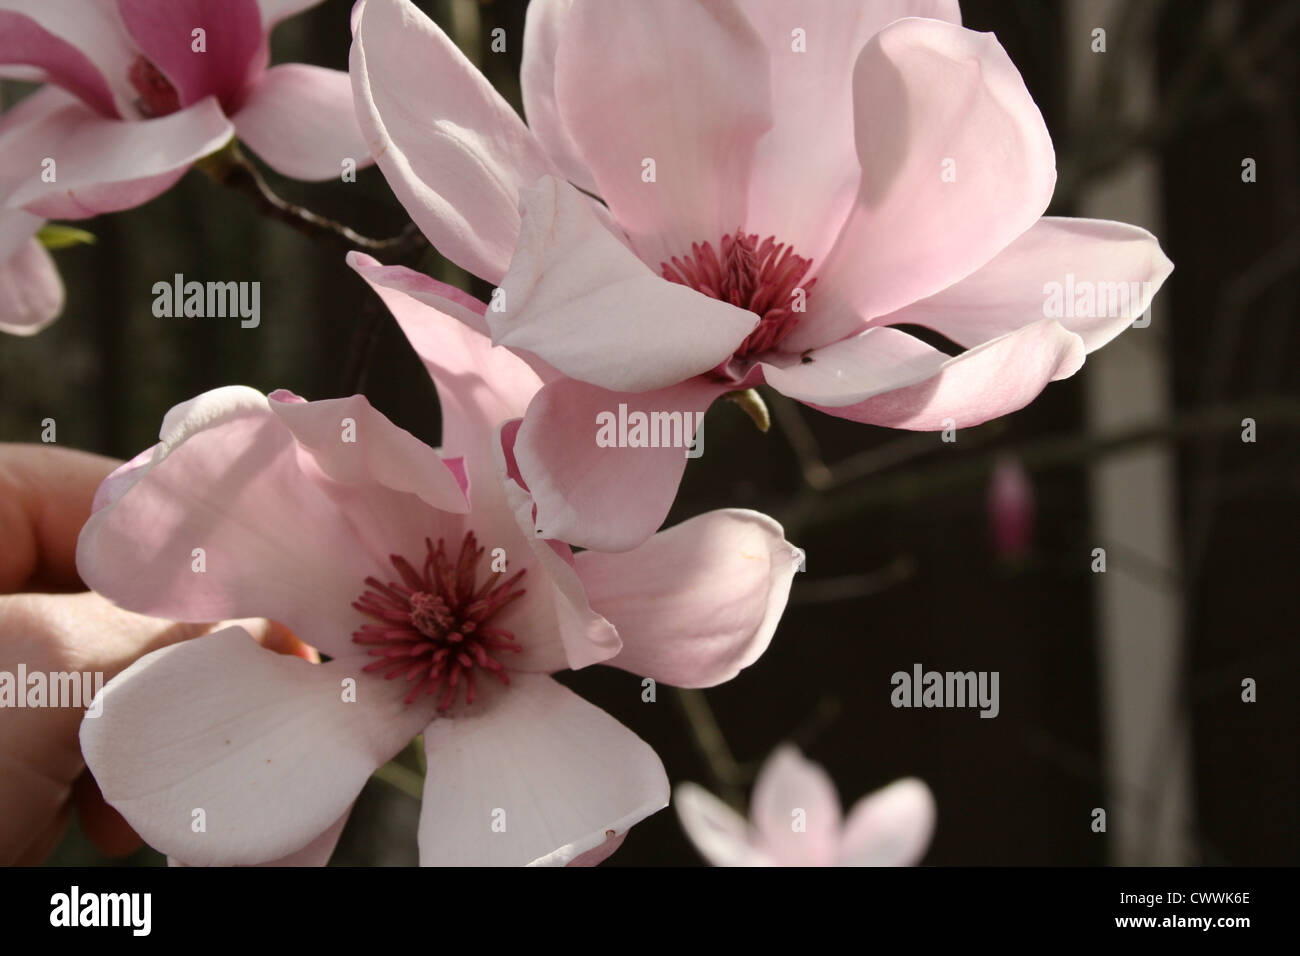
<point x="48" y="625"/>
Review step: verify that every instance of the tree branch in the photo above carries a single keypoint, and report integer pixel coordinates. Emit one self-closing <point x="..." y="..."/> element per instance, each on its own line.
<point x="231" y="168"/>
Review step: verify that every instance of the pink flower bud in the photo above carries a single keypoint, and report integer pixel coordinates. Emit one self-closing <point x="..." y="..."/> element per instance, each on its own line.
<point x="1011" y="510"/>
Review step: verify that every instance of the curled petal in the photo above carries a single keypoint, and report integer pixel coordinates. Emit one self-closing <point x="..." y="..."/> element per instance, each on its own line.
<point x="265" y="746"/>
<point x="300" y="119"/>
<point x="956" y="163"/>
<point x="1045" y="272"/>
<point x="697" y="603"/>
<point x="451" y="148"/>
<point x="556" y="775"/>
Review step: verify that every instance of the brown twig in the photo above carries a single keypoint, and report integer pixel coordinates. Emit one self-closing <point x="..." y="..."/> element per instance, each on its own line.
<point x="231" y="168"/>
<point x="1213" y="423"/>
<point x="729" y="776"/>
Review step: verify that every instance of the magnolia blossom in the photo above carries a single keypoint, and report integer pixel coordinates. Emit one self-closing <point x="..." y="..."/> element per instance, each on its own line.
<point x="796" y="820"/>
<point x="137" y="90"/>
<point x="780" y="185"/>
<point x="437" y="619"/>
<point x="31" y="290"/>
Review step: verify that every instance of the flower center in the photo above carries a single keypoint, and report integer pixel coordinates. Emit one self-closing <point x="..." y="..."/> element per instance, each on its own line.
<point x="765" y="277"/>
<point x="157" y="96"/>
<point x="430" y="624"/>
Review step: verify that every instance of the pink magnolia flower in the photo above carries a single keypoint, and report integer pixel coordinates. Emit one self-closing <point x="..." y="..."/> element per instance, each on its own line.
<point x="780" y="185"/>
<point x="135" y="94"/>
<point x="436" y="619"/>
<point x="797" y="820"/>
<point x="31" y="290"/>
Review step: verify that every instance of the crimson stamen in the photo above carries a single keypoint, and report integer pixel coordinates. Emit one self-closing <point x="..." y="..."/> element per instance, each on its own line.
<point x="157" y="95"/>
<point x="430" y="628"/>
<point x="760" y="276"/>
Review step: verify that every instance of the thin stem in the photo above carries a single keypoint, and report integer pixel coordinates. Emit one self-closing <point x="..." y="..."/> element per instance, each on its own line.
<point x="364" y="335"/>
<point x="1213" y="423"/>
<point x="727" y="773"/>
<point x="230" y="167"/>
<point x="402" y="778"/>
<point x="853" y="587"/>
<point x="812" y="467"/>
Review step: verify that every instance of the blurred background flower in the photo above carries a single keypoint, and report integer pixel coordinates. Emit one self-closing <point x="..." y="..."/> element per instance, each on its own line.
<point x="1011" y="510"/>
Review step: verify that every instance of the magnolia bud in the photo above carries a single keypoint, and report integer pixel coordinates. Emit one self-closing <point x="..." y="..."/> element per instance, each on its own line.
<point x="1011" y="510"/>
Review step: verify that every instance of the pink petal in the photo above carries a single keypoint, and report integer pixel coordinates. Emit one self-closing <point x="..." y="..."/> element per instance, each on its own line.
<point x="16" y="228"/>
<point x="479" y="386"/>
<point x="695" y="604"/>
<point x="445" y="298"/>
<point x="798" y="194"/>
<point x="720" y="834"/>
<point x="453" y="151"/>
<point x="996" y="378"/>
<point x="106" y="165"/>
<point x="300" y="119"/>
<point x="796" y="810"/>
<point x="319" y="850"/>
<point x="164" y="33"/>
<point x="227" y="478"/>
<point x="23" y="40"/>
<point x="607" y="499"/>
<point x="557" y="613"/>
<point x="558" y="773"/>
<point x="1012" y="290"/>
<point x="683" y="83"/>
<point x="891" y="827"/>
<point x="29" y="131"/>
<point x="854" y="369"/>
<point x="30" y="111"/>
<point x="543" y="26"/>
<point x="315" y="853"/>
<point x="31" y="290"/>
<point x="579" y="299"/>
<point x="395" y="493"/>
<point x="23" y="74"/>
<point x="381" y="453"/>
<point x="926" y="92"/>
<point x="79" y="46"/>
<point x="122" y="478"/>
<point x="601" y="853"/>
<point x="264" y="744"/>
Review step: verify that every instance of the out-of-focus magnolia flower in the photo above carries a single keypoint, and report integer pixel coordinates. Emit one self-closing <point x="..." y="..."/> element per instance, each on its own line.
<point x="137" y="90"/>
<point x="437" y="619"/>
<point x="780" y="183"/>
<point x="1011" y="509"/>
<point x="31" y="290"/>
<point x="796" y="820"/>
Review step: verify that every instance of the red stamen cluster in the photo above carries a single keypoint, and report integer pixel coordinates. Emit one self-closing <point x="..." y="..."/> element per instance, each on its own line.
<point x="759" y="276"/>
<point x="431" y="624"/>
<point x="157" y="96"/>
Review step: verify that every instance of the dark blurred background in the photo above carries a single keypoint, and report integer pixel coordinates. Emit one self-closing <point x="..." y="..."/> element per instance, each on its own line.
<point x="901" y="567"/>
